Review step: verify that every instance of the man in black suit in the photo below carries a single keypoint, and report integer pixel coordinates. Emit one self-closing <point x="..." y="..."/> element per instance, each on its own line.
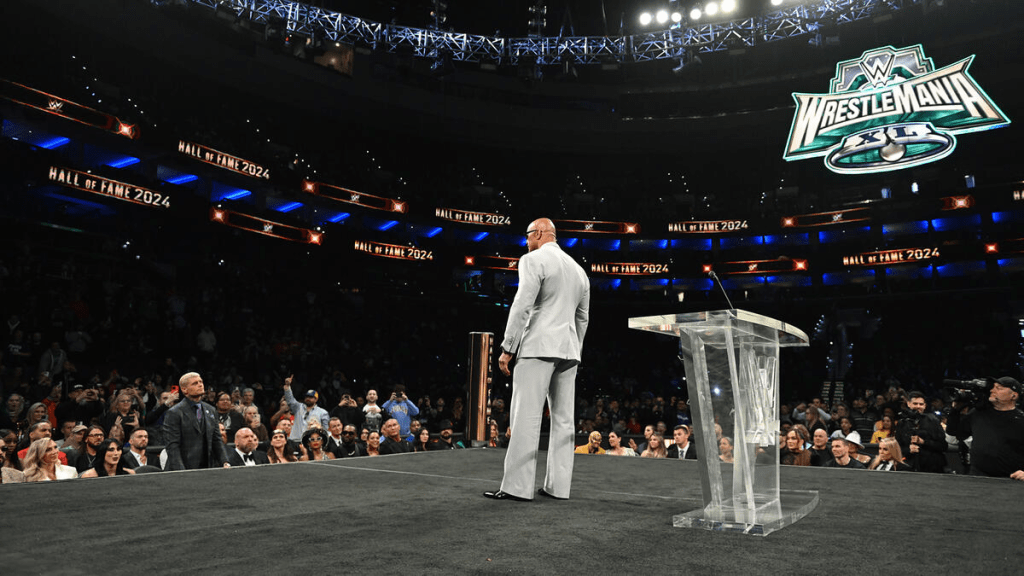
<point x="245" y="452"/>
<point x="191" y="430"/>
<point x="136" y="456"/>
<point x="682" y="449"/>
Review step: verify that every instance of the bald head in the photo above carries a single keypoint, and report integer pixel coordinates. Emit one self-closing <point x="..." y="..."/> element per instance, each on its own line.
<point x="540" y="232"/>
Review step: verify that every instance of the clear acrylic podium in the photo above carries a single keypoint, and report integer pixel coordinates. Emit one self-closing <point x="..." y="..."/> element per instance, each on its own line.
<point x="732" y="375"/>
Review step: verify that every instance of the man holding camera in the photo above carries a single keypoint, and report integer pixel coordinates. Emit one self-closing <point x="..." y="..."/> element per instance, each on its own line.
<point x="998" y="431"/>
<point x="921" y="436"/>
<point x="402" y="409"/>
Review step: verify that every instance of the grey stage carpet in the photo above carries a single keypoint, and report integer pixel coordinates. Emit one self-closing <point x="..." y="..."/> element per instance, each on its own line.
<point x="424" y="514"/>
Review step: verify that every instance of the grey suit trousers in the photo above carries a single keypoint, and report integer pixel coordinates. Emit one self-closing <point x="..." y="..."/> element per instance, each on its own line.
<point x="533" y="381"/>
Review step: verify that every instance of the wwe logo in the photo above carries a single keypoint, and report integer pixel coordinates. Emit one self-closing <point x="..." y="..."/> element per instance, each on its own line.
<point x="878" y="69"/>
<point x="837" y="217"/>
<point x="751" y="267"/>
<point x="55" y="105"/>
<point x="588" y="226"/>
<point x="513" y="263"/>
<point x="355" y="198"/>
<point x="268" y="227"/>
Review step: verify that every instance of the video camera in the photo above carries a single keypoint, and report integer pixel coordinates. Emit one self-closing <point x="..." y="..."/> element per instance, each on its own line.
<point x="967" y="392"/>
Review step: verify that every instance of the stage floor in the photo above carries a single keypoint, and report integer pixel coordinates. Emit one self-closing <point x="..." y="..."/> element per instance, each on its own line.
<point x="424" y="514"/>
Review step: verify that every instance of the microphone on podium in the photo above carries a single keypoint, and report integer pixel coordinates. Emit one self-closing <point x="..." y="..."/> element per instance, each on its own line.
<point x="714" y="277"/>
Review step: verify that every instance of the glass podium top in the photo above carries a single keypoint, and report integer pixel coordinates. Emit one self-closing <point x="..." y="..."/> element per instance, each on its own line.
<point x="712" y="321"/>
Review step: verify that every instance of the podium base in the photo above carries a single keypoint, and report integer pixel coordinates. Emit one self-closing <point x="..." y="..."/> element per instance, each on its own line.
<point x="764" y="519"/>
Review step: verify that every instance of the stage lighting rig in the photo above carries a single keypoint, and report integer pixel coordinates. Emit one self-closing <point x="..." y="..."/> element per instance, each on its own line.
<point x="538" y="18"/>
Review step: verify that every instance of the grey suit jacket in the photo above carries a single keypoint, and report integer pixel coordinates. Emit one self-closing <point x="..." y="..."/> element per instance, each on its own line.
<point x="549" y="315"/>
<point x="185" y="441"/>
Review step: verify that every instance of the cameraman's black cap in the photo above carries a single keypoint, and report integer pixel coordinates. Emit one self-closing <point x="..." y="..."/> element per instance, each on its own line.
<point x="1010" y="383"/>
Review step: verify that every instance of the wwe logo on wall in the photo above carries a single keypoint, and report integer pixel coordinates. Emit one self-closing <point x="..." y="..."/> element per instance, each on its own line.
<point x="55" y="105"/>
<point x="890" y="109"/>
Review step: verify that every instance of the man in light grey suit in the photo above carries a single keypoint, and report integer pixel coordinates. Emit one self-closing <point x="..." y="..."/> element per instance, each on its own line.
<point x="545" y="330"/>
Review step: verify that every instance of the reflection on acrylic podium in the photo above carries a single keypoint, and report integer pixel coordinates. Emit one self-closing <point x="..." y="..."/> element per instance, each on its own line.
<point x="732" y="375"/>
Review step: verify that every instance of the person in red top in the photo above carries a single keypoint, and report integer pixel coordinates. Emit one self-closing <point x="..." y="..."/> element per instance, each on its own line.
<point x="41" y="429"/>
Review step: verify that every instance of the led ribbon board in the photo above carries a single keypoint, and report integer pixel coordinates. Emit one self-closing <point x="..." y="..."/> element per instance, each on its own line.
<point x="890" y="109"/>
<point x="758" y="266"/>
<point x="630" y="268"/>
<point x="32" y="98"/>
<point x="469" y="217"/>
<point x="108" y="188"/>
<point x="265" y="227"/>
<point x="224" y="160"/>
<point x="393" y="251"/>
<point x="707" y="226"/>
<point x="347" y="196"/>
<point x="492" y="262"/>
<point x="826" y="218"/>
<point x="596" y="227"/>
<point x="888" y="257"/>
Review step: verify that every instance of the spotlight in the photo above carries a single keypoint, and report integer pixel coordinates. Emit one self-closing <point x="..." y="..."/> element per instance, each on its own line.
<point x="645" y="18"/>
<point x="711" y="8"/>
<point x="662" y="16"/>
<point x="728" y="6"/>
<point x="695" y="14"/>
<point x="677" y="17"/>
<point x="776" y="2"/>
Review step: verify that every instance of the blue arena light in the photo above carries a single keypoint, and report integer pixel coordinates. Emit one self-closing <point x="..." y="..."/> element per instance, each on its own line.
<point x="338" y="217"/>
<point x="481" y="236"/>
<point x="288" y="207"/>
<point x="615" y="244"/>
<point x="56" y="142"/>
<point x="183" y="179"/>
<point x="616" y="282"/>
<point x="663" y="244"/>
<point x="570" y="242"/>
<point x="434" y="232"/>
<point x="123" y="162"/>
<point x="387" y="225"/>
<point x="236" y="195"/>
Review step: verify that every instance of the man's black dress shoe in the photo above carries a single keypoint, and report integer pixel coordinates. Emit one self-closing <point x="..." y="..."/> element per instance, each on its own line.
<point x="499" y="495"/>
<point x="544" y="492"/>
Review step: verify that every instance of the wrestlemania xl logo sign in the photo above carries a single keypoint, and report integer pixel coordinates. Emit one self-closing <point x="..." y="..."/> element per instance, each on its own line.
<point x="890" y="109"/>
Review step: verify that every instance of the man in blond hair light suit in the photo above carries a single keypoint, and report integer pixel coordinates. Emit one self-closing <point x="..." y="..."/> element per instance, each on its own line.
<point x="545" y="330"/>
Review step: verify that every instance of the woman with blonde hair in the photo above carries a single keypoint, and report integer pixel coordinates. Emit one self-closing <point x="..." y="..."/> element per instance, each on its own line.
<point x="655" y="447"/>
<point x="42" y="464"/>
<point x="890" y="457"/>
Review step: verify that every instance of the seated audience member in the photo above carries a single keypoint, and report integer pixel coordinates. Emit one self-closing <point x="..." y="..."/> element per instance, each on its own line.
<point x="108" y="461"/>
<point x="349" y="447"/>
<point x="884" y="430"/>
<point x="8" y="475"/>
<point x="392" y="442"/>
<point x="655" y="447"/>
<point x="245" y="452"/>
<point x="10" y="439"/>
<point x="813" y="419"/>
<point x="593" y="445"/>
<point x="42" y="464"/>
<point x="36" y="413"/>
<point x="223" y="433"/>
<point x="820" y="447"/>
<point x="889" y="458"/>
<point x="136" y="455"/>
<point x="252" y="420"/>
<point x="373" y="443"/>
<point x="844" y="429"/>
<point x="494" y="437"/>
<point x="648" y="430"/>
<point x="423" y="442"/>
<point x="73" y="443"/>
<point x="615" y="447"/>
<point x="87" y="456"/>
<point x="841" y="455"/>
<point x="447" y="441"/>
<point x="279" y="451"/>
<point x="414" y="431"/>
<point x="314" y="444"/>
<point x="794" y="454"/>
<point x="40" y="429"/>
<point x="681" y="448"/>
<point x="854" y="445"/>
<point x="725" y="449"/>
